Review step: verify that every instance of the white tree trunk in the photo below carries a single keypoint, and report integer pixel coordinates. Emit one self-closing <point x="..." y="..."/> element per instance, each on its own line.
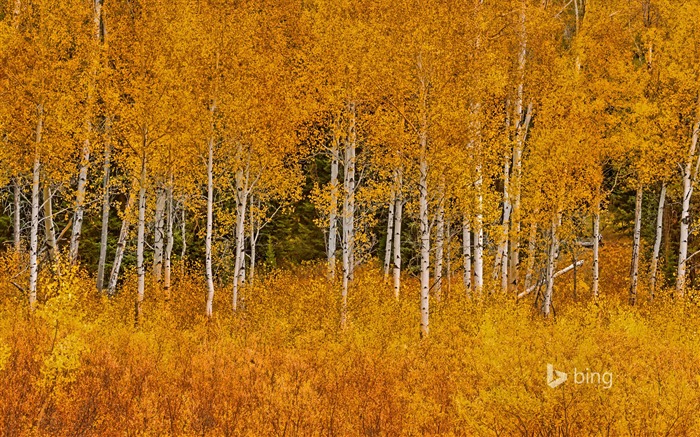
<point x="502" y="256"/>
<point x="688" y="178"/>
<point x="140" y="240"/>
<point x="389" y="234"/>
<point x="348" y="211"/>
<point x="424" y="242"/>
<point x="396" y="241"/>
<point x="333" y="214"/>
<point x="210" y="227"/>
<point x="183" y="233"/>
<point x="657" y="240"/>
<point x="479" y="235"/>
<point x="515" y="219"/>
<point x="252" y="240"/>
<point x="34" y="232"/>
<point x="439" y="244"/>
<point x="159" y="234"/>
<point x="467" y="255"/>
<point x="121" y="244"/>
<point x="241" y="207"/>
<point x="17" y="215"/>
<point x="169" y="242"/>
<point x="79" y="204"/>
<point x="105" y="217"/>
<point x="49" y="224"/>
<point x="596" y="253"/>
<point x="551" y="269"/>
<point x="634" y="271"/>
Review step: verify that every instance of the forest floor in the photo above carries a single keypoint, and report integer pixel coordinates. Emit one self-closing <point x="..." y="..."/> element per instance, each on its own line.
<point x="283" y="366"/>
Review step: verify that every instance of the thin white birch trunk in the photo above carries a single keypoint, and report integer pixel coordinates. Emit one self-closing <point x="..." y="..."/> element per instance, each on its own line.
<point x="241" y="206"/>
<point x="104" y="234"/>
<point x="121" y="244"/>
<point x="479" y="235"/>
<point x="501" y="262"/>
<point x="140" y="239"/>
<point x="167" y="258"/>
<point x="49" y="224"/>
<point x="551" y="268"/>
<point x="210" y="227"/>
<point x="423" y="215"/>
<point x="439" y="244"/>
<point x="657" y="240"/>
<point x="467" y="255"/>
<point x="34" y="232"/>
<point x="183" y="233"/>
<point x="389" y="234"/>
<point x="79" y="202"/>
<point x="159" y="234"/>
<point x="515" y="227"/>
<point x="634" y="271"/>
<point x="396" y="241"/>
<point x="348" y="211"/>
<point x="17" y="215"/>
<point x="596" y="253"/>
<point x="688" y="178"/>
<point x="252" y="240"/>
<point x="333" y="214"/>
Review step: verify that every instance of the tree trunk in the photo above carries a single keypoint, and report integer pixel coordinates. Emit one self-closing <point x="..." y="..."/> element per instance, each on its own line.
<point x="396" y="241"/>
<point x="105" y="217"/>
<point x="467" y="255"/>
<point x="502" y="256"/>
<point x="17" y="215"/>
<point x="333" y="214"/>
<point x="33" y="234"/>
<point x="183" y="233"/>
<point x="634" y="271"/>
<point x="688" y="178"/>
<point x="439" y="244"/>
<point x="389" y="234"/>
<point x="49" y="224"/>
<point x="423" y="215"/>
<point x="79" y="204"/>
<point x="210" y="227"/>
<point x="348" y="212"/>
<point x="121" y="244"/>
<point x="241" y="206"/>
<point x="479" y="235"/>
<point x="159" y="233"/>
<point x="140" y="239"/>
<point x="167" y="262"/>
<point x="657" y="241"/>
<point x="596" y="252"/>
<point x="253" y="240"/>
<point x="551" y="268"/>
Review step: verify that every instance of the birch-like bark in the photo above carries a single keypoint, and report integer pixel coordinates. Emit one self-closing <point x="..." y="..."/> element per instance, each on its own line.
<point x="657" y="240"/>
<point x="140" y="239"/>
<point x="252" y="240"/>
<point x="634" y="270"/>
<point x="348" y="211"/>
<point x="688" y="178"/>
<point x="423" y="214"/>
<point x="79" y="202"/>
<point x="448" y="255"/>
<point x="49" y="224"/>
<point x="210" y="227"/>
<point x="104" y="234"/>
<point x="167" y="258"/>
<point x="34" y="231"/>
<point x="17" y="215"/>
<point x="396" y="241"/>
<point x="439" y="244"/>
<point x="333" y="214"/>
<point x="183" y="233"/>
<point x="159" y="234"/>
<point x="596" y="253"/>
<point x="389" y="234"/>
<point x="515" y="217"/>
<point x="467" y="255"/>
<point x="479" y="235"/>
<point x="551" y="268"/>
<point x="241" y="207"/>
<point x="502" y="256"/>
<point x="121" y="244"/>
